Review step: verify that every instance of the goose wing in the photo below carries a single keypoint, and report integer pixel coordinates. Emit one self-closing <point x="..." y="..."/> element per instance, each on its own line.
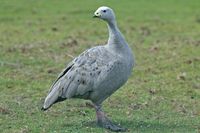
<point x="79" y="77"/>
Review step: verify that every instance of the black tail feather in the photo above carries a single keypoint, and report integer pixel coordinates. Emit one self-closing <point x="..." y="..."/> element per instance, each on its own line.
<point x="43" y="109"/>
<point x="60" y="99"/>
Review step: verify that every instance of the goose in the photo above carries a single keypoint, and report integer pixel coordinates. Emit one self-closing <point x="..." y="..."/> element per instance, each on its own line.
<point x="96" y="73"/>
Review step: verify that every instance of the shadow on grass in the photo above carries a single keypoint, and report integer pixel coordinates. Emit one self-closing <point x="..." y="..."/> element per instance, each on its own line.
<point x="156" y="126"/>
<point x="142" y="126"/>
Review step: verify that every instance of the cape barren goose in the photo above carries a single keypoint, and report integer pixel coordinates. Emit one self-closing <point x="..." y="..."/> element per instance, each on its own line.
<point x="96" y="73"/>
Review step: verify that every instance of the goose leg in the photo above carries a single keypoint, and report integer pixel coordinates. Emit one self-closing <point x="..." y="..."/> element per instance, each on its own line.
<point x="104" y="122"/>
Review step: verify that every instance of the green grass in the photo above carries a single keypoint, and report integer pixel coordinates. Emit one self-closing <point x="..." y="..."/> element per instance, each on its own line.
<point x="162" y="95"/>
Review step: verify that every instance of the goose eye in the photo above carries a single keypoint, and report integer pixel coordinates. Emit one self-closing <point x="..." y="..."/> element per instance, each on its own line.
<point x="104" y="11"/>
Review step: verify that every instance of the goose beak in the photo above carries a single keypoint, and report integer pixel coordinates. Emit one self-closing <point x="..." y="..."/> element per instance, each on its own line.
<point x="94" y="16"/>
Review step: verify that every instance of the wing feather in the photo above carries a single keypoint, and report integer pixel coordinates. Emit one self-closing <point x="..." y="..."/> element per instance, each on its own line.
<point x="79" y="77"/>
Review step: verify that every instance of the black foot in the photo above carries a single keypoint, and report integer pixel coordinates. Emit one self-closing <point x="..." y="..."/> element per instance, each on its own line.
<point x="106" y="123"/>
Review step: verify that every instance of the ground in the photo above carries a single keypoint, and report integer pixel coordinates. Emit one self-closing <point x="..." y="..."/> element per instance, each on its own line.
<point x="38" y="39"/>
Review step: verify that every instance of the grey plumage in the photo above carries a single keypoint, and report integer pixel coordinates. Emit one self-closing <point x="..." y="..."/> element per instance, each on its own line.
<point x="97" y="72"/>
<point x="94" y="75"/>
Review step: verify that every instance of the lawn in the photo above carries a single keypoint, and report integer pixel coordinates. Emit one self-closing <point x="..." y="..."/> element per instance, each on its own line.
<point x="39" y="37"/>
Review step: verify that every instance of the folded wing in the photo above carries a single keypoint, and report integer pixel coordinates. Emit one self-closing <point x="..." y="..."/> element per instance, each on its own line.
<point x="79" y="77"/>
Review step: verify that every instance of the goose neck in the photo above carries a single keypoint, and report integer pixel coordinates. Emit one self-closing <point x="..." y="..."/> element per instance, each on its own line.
<point x="116" y="39"/>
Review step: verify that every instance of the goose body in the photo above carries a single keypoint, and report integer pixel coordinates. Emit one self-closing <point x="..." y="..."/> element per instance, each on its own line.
<point x="96" y="73"/>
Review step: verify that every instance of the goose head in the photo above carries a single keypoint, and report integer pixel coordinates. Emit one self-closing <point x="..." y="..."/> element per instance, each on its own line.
<point x="105" y="13"/>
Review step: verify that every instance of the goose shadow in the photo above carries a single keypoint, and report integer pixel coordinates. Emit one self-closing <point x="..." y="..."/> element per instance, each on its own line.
<point x="149" y="126"/>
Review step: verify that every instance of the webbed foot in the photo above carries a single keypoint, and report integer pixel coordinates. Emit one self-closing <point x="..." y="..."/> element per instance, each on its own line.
<point x="106" y="123"/>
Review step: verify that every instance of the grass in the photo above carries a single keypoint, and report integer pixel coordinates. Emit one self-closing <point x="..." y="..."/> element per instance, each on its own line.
<point x="38" y="37"/>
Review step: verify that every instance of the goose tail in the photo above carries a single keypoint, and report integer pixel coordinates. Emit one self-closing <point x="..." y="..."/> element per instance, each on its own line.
<point x="52" y="97"/>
